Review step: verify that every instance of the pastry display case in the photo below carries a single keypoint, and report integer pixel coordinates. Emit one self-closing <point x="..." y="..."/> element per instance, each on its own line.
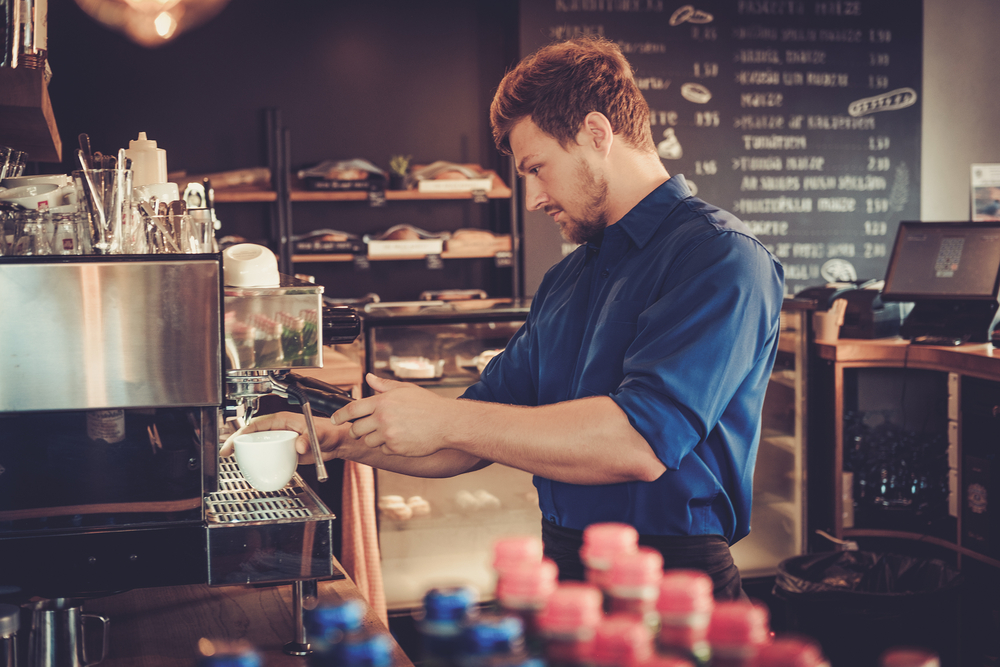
<point x="439" y="531"/>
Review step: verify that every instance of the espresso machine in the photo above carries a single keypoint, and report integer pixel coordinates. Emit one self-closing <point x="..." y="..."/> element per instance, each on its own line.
<point x="117" y="374"/>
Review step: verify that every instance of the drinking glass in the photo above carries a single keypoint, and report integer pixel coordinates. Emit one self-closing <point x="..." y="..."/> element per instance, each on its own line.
<point x="32" y="233"/>
<point x="67" y="233"/>
<point x="5" y="154"/>
<point x="106" y="197"/>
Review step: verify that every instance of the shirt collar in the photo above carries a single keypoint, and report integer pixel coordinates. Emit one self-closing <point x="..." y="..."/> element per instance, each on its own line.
<point x="645" y="217"/>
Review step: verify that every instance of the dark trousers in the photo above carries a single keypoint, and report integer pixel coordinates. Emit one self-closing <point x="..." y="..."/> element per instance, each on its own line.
<point x="708" y="553"/>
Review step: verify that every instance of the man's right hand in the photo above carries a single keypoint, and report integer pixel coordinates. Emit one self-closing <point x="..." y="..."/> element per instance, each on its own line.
<point x="289" y="421"/>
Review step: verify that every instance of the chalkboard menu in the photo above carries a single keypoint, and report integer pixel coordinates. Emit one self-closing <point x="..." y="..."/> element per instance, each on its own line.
<point x="802" y="117"/>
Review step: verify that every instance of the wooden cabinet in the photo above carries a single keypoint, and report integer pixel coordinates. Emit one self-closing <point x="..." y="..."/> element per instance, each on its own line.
<point x="942" y="404"/>
<point x="26" y="119"/>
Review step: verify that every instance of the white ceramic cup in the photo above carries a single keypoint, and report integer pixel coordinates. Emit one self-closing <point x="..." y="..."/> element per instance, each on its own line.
<point x="58" y="180"/>
<point x="30" y="196"/>
<point x="250" y="265"/>
<point x="267" y="459"/>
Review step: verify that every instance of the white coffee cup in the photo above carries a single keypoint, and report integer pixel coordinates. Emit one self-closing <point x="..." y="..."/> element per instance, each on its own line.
<point x="58" y="180"/>
<point x="30" y="196"/>
<point x="267" y="459"/>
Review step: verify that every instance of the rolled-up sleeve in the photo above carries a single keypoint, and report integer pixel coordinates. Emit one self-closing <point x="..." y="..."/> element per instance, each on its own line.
<point x="697" y="342"/>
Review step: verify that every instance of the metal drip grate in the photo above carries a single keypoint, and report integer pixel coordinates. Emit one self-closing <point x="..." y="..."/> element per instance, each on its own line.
<point x="237" y="501"/>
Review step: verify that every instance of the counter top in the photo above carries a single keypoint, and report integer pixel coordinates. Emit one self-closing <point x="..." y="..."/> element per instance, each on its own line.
<point x="160" y="627"/>
<point x="976" y="359"/>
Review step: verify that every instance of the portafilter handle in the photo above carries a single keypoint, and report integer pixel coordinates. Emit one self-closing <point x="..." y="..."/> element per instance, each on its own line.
<point x="319" y="397"/>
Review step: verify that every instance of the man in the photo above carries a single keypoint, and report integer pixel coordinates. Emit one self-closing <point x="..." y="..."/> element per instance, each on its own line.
<point x="634" y="389"/>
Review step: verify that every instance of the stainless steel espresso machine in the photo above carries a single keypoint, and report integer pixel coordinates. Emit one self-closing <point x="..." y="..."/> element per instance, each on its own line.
<point x="115" y="375"/>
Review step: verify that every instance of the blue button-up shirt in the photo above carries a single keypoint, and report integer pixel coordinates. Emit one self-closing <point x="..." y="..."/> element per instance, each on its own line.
<point x="674" y="315"/>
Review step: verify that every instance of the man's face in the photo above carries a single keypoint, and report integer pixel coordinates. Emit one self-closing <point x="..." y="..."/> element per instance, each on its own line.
<point x="561" y="182"/>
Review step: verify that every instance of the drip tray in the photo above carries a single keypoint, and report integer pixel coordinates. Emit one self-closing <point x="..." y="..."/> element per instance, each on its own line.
<point x="266" y="536"/>
<point x="236" y="501"/>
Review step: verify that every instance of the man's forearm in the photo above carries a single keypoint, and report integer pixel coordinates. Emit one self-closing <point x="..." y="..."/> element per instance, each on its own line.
<point x="443" y="463"/>
<point x="584" y="441"/>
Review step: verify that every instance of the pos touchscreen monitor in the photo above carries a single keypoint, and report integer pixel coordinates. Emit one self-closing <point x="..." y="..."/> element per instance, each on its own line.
<point x="950" y="271"/>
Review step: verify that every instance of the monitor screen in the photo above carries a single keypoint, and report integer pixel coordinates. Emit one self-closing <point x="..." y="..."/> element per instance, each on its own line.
<point x="944" y="260"/>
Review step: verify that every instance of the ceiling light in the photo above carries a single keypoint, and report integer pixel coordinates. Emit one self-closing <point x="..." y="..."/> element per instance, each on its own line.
<point x="152" y="23"/>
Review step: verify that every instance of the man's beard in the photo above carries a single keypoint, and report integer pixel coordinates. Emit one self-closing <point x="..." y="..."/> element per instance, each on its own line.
<point x="594" y="210"/>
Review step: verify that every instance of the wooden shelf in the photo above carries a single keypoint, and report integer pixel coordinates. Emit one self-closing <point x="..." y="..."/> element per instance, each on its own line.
<point x="317" y="258"/>
<point x="26" y="119"/>
<point x="244" y="196"/>
<point x="299" y="193"/>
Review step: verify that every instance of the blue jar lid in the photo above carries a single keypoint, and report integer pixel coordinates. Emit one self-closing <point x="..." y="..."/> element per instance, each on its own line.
<point x="494" y="634"/>
<point x="372" y="651"/>
<point x="327" y="618"/>
<point x="453" y="603"/>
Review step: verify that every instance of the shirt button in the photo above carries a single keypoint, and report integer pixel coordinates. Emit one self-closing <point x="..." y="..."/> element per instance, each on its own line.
<point x="605" y="273"/>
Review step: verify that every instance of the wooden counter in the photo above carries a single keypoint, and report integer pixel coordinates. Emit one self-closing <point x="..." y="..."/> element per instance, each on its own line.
<point x="160" y="627"/>
<point x="977" y="359"/>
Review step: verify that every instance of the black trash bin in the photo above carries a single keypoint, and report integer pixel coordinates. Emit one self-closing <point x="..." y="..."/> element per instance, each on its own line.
<point x="858" y="603"/>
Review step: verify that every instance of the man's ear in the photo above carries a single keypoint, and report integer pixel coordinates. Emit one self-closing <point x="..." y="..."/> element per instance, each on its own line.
<point x="596" y="133"/>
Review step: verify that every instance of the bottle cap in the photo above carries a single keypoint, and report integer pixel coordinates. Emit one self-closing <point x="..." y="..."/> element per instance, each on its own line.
<point x="643" y="567"/>
<point x="685" y="592"/>
<point x="528" y="582"/>
<point x="790" y="652"/>
<point x="602" y="540"/>
<point x="374" y="650"/>
<point x="493" y="634"/>
<point x="621" y="640"/>
<point x="738" y="623"/>
<point x="508" y="551"/>
<point x="451" y="603"/>
<point x="571" y="606"/>
<point x="331" y="618"/>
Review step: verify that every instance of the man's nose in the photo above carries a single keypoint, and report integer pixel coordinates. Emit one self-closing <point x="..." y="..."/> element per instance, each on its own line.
<point x="534" y="197"/>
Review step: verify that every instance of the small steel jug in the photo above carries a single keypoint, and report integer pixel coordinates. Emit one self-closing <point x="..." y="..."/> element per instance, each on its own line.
<point x="56" y="636"/>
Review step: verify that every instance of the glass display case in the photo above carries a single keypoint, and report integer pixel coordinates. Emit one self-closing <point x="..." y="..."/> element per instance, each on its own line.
<point x="777" y="522"/>
<point x="439" y="531"/>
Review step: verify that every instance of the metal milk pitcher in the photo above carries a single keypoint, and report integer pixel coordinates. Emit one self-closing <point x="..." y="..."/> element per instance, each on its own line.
<point x="56" y="636"/>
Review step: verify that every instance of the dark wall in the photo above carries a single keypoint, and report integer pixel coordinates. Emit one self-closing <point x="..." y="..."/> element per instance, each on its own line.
<point x="351" y="80"/>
